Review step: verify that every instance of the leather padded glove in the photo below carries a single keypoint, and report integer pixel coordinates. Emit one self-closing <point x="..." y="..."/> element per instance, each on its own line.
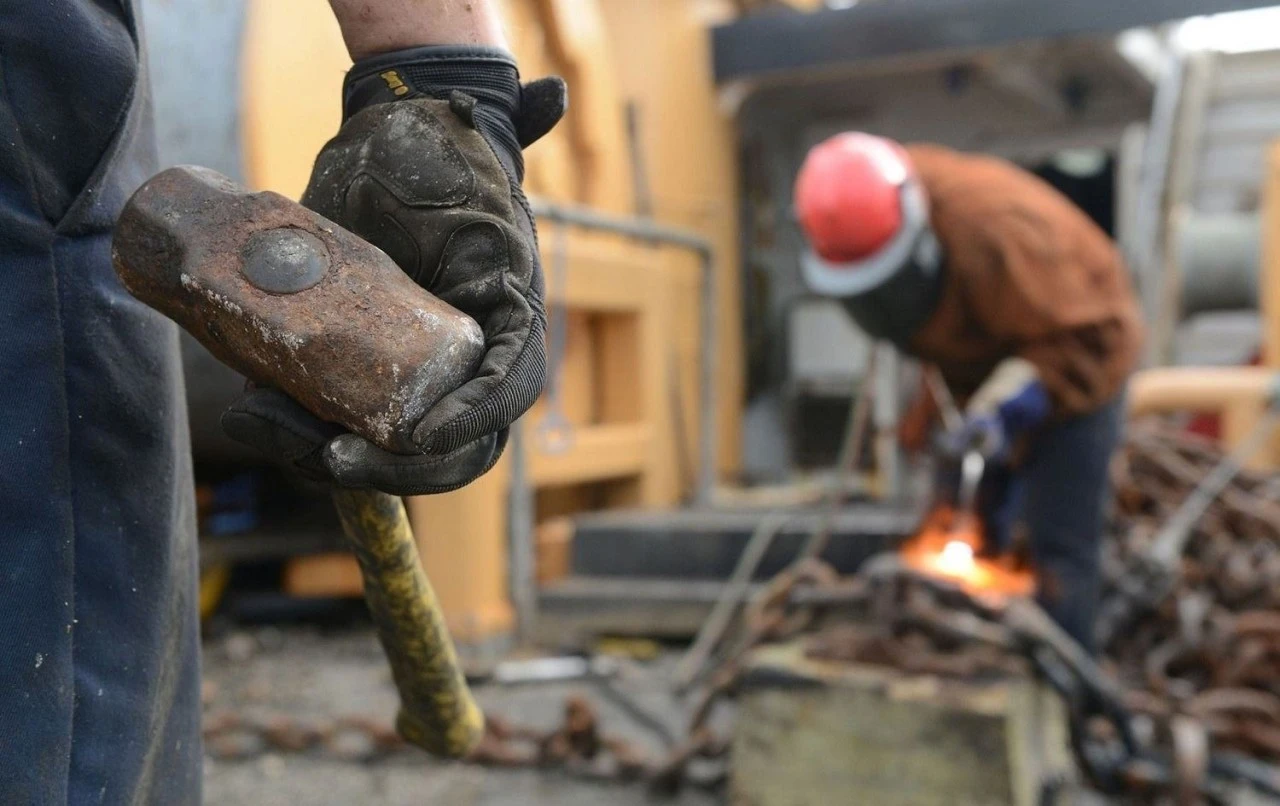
<point x="427" y="166"/>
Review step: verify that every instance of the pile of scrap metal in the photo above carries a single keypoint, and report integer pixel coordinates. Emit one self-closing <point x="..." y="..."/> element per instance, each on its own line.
<point x="1183" y="706"/>
<point x="1207" y="646"/>
<point x="1184" y="703"/>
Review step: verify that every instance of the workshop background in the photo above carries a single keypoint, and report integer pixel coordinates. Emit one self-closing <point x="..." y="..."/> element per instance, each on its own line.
<point x="700" y="401"/>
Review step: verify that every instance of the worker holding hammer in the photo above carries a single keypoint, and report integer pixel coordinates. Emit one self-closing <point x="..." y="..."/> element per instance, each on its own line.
<point x="100" y="662"/>
<point x="1021" y="302"/>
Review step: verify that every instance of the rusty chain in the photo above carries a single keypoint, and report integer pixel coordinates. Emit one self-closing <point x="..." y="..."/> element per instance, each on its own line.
<point x="1199" y="706"/>
<point x="1212" y="641"/>
<point x="905" y="621"/>
<point x="578" y="747"/>
<point x="1200" y="670"/>
<point x="1136" y="742"/>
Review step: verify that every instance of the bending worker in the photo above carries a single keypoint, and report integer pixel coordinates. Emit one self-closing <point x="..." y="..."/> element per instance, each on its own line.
<point x="1023" y="304"/>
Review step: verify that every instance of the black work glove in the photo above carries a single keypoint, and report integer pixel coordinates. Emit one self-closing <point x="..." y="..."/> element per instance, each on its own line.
<point x="427" y="166"/>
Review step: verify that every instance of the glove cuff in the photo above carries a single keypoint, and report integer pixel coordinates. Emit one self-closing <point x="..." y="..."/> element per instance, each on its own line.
<point x="1006" y="381"/>
<point x="450" y="72"/>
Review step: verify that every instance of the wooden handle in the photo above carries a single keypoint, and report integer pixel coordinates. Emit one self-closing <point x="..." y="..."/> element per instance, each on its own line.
<point x="437" y="712"/>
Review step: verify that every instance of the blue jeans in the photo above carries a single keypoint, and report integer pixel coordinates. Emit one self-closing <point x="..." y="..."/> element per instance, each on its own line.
<point x="1066" y="489"/>
<point x="1059" y="496"/>
<point x="99" y="662"/>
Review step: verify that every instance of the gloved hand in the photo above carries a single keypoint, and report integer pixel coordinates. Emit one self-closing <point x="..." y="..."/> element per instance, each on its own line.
<point x="1025" y="411"/>
<point x="427" y="166"/>
<point x="984" y="433"/>
<point x="1003" y="414"/>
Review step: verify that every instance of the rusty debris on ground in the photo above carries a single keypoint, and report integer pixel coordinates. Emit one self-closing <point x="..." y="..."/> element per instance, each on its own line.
<point x="1183" y="706"/>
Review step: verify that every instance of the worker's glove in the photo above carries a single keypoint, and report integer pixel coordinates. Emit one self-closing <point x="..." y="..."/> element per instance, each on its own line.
<point x="1014" y="419"/>
<point x="1008" y="407"/>
<point x="427" y="166"/>
<point x="1024" y="411"/>
<point x="983" y="433"/>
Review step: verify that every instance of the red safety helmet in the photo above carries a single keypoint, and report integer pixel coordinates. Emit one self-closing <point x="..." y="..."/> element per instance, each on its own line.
<point x="848" y="195"/>
<point x="866" y="216"/>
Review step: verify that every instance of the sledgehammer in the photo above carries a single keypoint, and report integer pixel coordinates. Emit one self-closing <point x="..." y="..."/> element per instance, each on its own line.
<point x="293" y="301"/>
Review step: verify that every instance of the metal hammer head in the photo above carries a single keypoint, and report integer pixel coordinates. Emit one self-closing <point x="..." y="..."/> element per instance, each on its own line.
<point x="292" y="300"/>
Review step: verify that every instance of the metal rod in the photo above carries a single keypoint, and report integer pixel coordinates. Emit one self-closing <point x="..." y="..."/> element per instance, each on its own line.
<point x="1169" y="542"/>
<point x="523" y="573"/>
<point x="1145" y="251"/>
<point x="972" y="467"/>
<point x="694" y="661"/>
<point x="1027" y="619"/>
<point x="555" y="432"/>
<point x="639" y="171"/>
<point x="851" y="447"/>
<point x="681" y="239"/>
<point x="642" y="229"/>
<point x="885" y="411"/>
<point x="952" y="419"/>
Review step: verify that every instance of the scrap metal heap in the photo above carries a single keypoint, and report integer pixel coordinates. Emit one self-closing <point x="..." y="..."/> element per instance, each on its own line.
<point x="1185" y="700"/>
<point x="1209" y="648"/>
<point x="1184" y="703"/>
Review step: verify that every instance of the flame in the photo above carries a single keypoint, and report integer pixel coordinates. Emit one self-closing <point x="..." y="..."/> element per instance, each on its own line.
<point x="948" y="548"/>
<point x="956" y="559"/>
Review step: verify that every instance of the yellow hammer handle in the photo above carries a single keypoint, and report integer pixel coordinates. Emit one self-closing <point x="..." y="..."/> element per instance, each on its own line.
<point x="437" y="712"/>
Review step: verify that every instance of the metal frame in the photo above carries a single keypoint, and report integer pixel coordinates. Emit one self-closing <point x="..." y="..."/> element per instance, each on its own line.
<point x="764" y="44"/>
<point x="708" y="309"/>
<point x="522" y="575"/>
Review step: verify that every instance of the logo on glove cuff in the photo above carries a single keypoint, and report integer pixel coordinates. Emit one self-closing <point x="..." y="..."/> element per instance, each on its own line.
<point x="394" y="81"/>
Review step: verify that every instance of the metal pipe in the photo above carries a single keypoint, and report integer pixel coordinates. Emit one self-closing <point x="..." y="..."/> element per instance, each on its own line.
<point x="885" y="410"/>
<point x="1219" y="255"/>
<point x="1164" y="389"/>
<point x="641" y="229"/>
<point x="1146" y="254"/>
<point x="694" y="662"/>
<point x="522" y="549"/>
<point x="851" y="447"/>
<point x="682" y="239"/>
<point x="1169" y="543"/>
<point x="952" y="419"/>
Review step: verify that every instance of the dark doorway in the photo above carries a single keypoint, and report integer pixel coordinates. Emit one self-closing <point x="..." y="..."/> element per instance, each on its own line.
<point x="1088" y="179"/>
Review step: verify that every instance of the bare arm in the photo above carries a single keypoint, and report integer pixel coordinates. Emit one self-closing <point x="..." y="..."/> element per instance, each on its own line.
<point x="370" y="27"/>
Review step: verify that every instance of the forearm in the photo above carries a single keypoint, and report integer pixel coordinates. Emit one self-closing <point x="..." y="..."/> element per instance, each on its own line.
<point x="370" y="27"/>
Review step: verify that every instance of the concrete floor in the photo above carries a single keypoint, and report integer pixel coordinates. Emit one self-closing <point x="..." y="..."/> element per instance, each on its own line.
<point x="304" y="673"/>
<point x="307" y="673"/>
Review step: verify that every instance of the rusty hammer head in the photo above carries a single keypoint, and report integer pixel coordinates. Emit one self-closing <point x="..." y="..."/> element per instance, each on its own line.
<point x="294" y="301"/>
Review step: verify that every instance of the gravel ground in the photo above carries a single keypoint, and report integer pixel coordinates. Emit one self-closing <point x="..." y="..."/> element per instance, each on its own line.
<point x="310" y="674"/>
<point x="305" y="673"/>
